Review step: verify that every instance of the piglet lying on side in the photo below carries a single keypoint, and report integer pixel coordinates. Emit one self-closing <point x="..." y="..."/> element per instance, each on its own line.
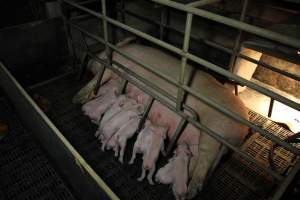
<point x="149" y="142"/>
<point x="117" y="121"/>
<point x="176" y="172"/>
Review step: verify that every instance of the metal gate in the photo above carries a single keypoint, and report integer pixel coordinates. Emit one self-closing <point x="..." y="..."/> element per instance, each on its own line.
<point x="191" y="11"/>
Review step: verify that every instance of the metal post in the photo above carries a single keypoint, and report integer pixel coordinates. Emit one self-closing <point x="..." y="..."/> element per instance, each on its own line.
<point x="122" y="88"/>
<point x="68" y="34"/>
<point x="271" y="107"/>
<point x="188" y="27"/>
<point x="238" y="39"/>
<point x="108" y="55"/>
<point x="145" y="113"/>
<point x="181" y="126"/>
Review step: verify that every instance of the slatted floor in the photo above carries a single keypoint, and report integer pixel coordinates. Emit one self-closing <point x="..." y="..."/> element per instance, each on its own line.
<point x="233" y="179"/>
<point x="25" y="171"/>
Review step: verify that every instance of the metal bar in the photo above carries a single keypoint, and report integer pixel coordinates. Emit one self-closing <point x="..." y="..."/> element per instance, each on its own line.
<point x="81" y="177"/>
<point x="238" y="39"/>
<point x="105" y="34"/>
<point x="185" y="48"/>
<point x="145" y="113"/>
<point x="205" y="100"/>
<point x="278" y="194"/>
<point x="162" y="22"/>
<point x="98" y="83"/>
<point x="71" y="49"/>
<point x="202" y="3"/>
<point x="198" y="60"/>
<point x="182" y="124"/>
<point x="271" y="107"/>
<point x="222" y="48"/>
<point x="127" y="75"/>
<point x="234" y="23"/>
<point x="122" y="87"/>
<point x="87" y="2"/>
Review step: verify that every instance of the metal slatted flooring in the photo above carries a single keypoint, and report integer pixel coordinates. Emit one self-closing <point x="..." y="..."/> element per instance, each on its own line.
<point x="25" y="171"/>
<point x="233" y="179"/>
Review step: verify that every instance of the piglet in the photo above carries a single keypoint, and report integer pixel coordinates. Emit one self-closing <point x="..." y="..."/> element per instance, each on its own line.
<point x="176" y="172"/>
<point x="95" y="108"/>
<point x="117" y="121"/>
<point x="122" y="102"/>
<point x="123" y="134"/>
<point x="149" y="142"/>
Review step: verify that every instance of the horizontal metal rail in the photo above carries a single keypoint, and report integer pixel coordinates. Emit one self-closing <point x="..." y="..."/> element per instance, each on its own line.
<point x="200" y="97"/>
<point x="271" y="35"/>
<point x="196" y="59"/>
<point x="202" y="3"/>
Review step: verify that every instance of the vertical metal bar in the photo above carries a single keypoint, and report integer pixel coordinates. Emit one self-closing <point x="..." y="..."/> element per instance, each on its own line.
<point x="286" y="182"/>
<point x="122" y="87"/>
<point x="238" y="39"/>
<point x="163" y="21"/>
<point x="271" y="107"/>
<point x="182" y="124"/>
<point x="71" y="49"/>
<point x="122" y="11"/>
<point x="84" y="60"/>
<point x="145" y="114"/>
<point x="188" y="27"/>
<point x="108" y="55"/>
<point x="112" y="13"/>
<point x="237" y="44"/>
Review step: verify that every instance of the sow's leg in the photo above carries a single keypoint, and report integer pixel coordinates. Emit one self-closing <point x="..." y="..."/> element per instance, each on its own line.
<point x="208" y="151"/>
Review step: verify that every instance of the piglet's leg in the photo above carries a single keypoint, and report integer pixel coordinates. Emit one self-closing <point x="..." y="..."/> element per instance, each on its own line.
<point x="143" y="174"/>
<point x="103" y="144"/>
<point x="122" y="151"/>
<point x="133" y="155"/>
<point x="151" y="172"/>
<point x="208" y="151"/>
<point x="116" y="149"/>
